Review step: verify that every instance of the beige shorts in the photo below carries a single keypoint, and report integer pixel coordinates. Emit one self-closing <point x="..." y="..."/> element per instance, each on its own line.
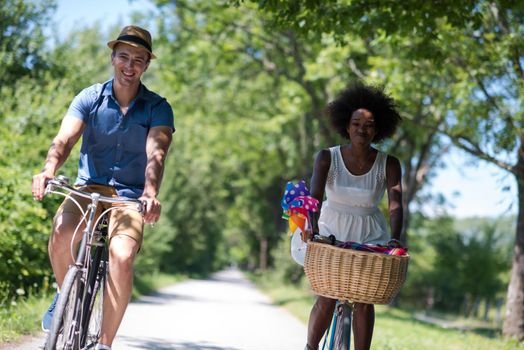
<point x="123" y="221"/>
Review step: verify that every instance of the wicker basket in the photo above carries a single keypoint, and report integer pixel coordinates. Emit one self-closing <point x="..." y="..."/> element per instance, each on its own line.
<point x="357" y="276"/>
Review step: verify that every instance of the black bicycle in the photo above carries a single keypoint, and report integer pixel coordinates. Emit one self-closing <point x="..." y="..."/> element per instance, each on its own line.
<point x="77" y="319"/>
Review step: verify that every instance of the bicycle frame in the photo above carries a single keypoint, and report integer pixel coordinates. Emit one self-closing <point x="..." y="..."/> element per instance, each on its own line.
<point x="86" y="277"/>
<point x="339" y="332"/>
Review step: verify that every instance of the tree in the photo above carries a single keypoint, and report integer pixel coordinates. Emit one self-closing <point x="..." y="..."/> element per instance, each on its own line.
<point x="22" y="39"/>
<point x="24" y="64"/>
<point x="40" y="83"/>
<point x="299" y="78"/>
<point x="373" y="56"/>
<point x="338" y="18"/>
<point x="247" y="89"/>
<point x="481" y="45"/>
<point x="487" y="119"/>
<point x="466" y="265"/>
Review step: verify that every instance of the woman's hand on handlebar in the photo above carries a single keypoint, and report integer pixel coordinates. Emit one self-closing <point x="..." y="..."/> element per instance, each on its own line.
<point x="395" y="243"/>
<point x="308" y="234"/>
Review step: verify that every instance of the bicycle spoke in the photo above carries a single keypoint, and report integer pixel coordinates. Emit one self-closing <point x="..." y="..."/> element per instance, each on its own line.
<point x="96" y="308"/>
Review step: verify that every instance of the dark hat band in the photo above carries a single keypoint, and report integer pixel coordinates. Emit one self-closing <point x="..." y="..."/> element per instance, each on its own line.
<point x="135" y="39"/>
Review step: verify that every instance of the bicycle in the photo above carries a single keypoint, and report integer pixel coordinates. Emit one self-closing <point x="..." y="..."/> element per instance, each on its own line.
<point x="339" y="332"/>
<point x="77" y="319"/>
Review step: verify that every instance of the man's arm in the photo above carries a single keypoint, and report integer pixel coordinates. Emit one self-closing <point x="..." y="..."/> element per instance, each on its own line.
<point x="158" y="141"/>
<point x="68" y="135"/>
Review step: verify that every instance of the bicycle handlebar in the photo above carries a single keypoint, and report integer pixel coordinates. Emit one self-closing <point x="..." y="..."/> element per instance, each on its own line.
<point x="62" y="182"/>
<point x="326" y="239"/>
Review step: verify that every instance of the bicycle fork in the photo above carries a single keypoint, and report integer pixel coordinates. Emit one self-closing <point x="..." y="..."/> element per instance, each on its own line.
<point x="340" y="337"/>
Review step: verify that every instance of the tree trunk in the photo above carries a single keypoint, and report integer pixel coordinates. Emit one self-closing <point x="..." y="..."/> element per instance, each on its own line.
<point x="514" y="321"/>
<point x="263" y="253"/>
<point x="487" y="308"/>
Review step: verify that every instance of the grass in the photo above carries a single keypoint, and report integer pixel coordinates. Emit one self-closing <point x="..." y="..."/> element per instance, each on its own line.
<point x="395" y="329"/>
<point x="24" y="317"/>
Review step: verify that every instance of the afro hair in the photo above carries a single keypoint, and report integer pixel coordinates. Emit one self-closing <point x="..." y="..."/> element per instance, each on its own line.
<point x="372" y="98"/>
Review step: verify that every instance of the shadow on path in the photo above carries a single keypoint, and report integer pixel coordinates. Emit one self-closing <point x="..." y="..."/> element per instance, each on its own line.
<point x="159" y="344"/>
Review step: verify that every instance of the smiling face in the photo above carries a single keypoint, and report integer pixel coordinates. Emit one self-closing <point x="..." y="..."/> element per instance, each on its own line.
<point x="362" y="127"/>
<point x="129" y="63"/>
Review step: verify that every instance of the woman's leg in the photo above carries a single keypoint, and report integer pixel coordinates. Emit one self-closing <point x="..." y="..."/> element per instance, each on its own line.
<point x="363" y="323"/>
<point x="319" y="321"/>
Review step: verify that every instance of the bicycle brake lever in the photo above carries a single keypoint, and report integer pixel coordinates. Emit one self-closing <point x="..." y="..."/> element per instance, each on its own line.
<point x="142" y="207"/>
<point x="62" y="180"/>
<point x="49" y="187"/>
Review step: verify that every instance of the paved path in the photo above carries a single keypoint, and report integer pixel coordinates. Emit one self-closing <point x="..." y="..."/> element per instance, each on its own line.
<point x="225" y="312"/>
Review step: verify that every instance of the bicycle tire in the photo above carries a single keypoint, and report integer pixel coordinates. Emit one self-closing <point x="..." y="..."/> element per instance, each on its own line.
<point x="93" y="307"/>
<point x="63" y="334"/>
<point x="342" y="339"/>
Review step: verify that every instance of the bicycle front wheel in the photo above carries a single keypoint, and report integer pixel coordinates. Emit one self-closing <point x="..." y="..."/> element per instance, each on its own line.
<point x="94" y="305"/>
<point x="342" y="339"/>
<point x="66" y="319"/>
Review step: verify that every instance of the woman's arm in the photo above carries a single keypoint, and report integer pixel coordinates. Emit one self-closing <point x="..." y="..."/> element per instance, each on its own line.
<point x="318" y="182"/>
<point x="394" y="188"/>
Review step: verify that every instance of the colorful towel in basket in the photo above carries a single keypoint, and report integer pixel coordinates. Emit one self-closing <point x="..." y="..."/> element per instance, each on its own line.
<point x="374" y="248"/>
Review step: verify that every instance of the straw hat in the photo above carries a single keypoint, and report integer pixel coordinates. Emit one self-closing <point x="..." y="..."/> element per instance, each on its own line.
<point x="134" y="36"/>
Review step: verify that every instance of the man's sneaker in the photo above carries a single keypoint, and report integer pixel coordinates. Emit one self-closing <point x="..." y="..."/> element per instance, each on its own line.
<point x="102" y="347"/>
<point x="48" y="316"/>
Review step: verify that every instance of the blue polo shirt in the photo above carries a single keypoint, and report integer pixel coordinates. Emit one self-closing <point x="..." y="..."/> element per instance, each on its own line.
<point x="113" y="150"/>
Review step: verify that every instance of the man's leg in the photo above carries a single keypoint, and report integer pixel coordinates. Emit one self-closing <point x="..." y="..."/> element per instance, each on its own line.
<point x="125" y="230"/>
<point x="59" y="247"/>
<point x="122" y="252"/>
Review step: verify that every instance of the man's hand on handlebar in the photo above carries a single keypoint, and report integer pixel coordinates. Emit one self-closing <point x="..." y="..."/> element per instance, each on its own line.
<point x="151" y="209"/>
<point x="39" y="183"/>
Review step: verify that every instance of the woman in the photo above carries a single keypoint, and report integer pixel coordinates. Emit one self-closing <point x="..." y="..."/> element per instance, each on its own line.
<point x="354" y="177"/>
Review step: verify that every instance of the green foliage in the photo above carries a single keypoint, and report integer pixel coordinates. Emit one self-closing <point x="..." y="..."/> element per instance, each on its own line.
<point x="286" y="270"/>
<point x="32" y="106"/>
<point x="242" y="102"/>
<point x="28" y="109"/>
<point x="453" y="270"/>
<point x="22" y="317"/>
<point x="22" y="39"/>
<point x="25" y="223"/>
<point x="365" y="18"/>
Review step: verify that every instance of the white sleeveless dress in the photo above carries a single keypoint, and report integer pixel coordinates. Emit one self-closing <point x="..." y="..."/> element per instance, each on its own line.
<point x="350" y="211"/>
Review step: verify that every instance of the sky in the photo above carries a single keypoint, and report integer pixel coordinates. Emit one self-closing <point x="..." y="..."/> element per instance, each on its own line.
<point x="72" y="14"/>
<point x="473" y="190"/>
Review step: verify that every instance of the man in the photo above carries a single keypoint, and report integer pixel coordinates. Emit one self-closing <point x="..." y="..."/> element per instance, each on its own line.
<point x="126" y="132"/>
